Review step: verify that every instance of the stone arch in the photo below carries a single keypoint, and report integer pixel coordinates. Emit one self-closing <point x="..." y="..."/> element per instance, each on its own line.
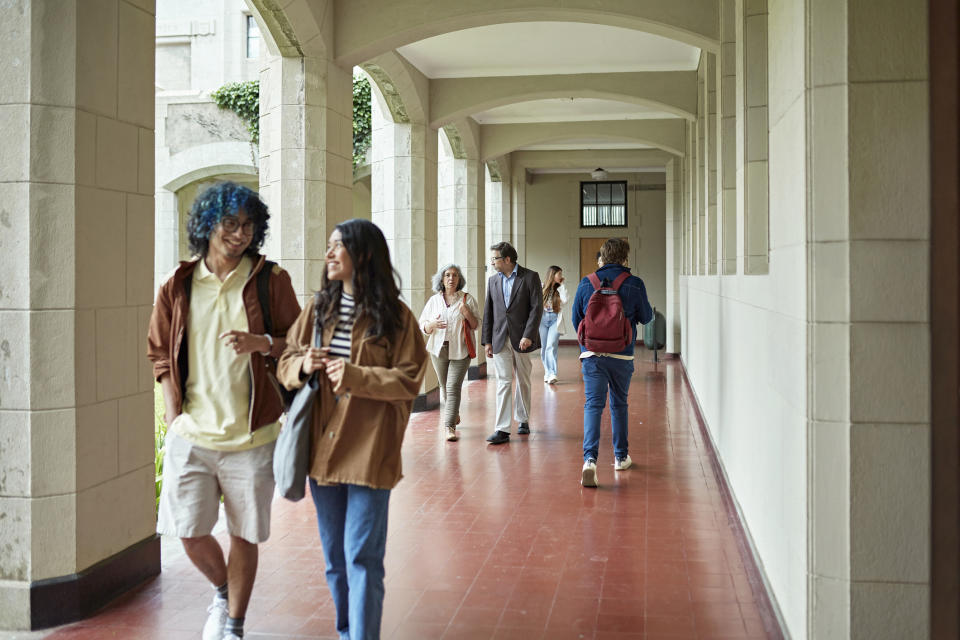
<point x="673" y="92"/>
<point x="302" y="28"/>
<point x="194" y="174"/>
<point x="464" y="138"/>
<point x="404" y="89"/>
<point x="667" y="135"/>
<point x="361" y="34"/>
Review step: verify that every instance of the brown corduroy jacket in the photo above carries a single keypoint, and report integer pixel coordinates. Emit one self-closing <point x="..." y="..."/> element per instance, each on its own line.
<point x="358" y="426"/>
<point x="167" y="346"/>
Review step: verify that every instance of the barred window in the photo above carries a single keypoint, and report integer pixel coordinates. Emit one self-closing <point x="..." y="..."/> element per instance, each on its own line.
<point x="603" y="204"/>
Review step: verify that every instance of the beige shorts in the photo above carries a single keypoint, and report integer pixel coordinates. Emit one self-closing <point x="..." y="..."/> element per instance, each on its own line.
<point x="195" y="477"/>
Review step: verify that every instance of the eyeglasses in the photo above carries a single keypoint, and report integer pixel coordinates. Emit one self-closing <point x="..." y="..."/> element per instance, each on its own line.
<point x="495" y="258"/>
<point x="231" y="224"/>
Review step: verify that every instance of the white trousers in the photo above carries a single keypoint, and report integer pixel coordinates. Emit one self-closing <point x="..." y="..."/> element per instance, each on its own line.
<point x="505" y="364"/>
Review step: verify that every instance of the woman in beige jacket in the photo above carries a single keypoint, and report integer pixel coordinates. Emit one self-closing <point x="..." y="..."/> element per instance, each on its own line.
<point x="370" y="368"/>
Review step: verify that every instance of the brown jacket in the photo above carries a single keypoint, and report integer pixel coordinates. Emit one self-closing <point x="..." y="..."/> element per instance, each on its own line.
<point x="167" y="344"/>
<point x="358" y="426"/>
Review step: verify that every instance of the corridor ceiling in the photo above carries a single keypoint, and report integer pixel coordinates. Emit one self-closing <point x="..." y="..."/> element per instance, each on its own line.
<point x="572" y="49"/>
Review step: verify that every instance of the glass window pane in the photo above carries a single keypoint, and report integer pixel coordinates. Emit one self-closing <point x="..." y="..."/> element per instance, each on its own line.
<point x="618" y="193"/>
<point x="603" y="193"/>
<point x="589" y="193"/>
<point x="253" y="38"/>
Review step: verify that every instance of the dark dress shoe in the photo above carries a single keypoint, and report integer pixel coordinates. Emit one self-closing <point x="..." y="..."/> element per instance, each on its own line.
<point x="523" y="429"/>
<point x="498" y="437"/>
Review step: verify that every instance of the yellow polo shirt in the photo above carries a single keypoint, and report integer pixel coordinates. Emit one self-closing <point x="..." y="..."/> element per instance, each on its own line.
<point x="217" y="405"/>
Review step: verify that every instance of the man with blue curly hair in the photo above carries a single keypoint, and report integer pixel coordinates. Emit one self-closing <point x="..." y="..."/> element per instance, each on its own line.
<point x="218" y="326"/>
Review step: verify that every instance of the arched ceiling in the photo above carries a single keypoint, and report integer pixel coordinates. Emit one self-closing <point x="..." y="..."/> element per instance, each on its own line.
<point x="549" y="72"/>
<point x="546" y="48"/>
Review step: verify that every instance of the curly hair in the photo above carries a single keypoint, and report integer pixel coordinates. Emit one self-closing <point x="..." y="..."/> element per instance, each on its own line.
<point x="376" y="288"/>
<point x="225" y="199"/>
<point x="437" y="280"/>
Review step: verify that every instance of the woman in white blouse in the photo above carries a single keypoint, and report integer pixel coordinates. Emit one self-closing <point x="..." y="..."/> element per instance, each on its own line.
<point x="551" y="323"/>
<point x="448" y="317"/>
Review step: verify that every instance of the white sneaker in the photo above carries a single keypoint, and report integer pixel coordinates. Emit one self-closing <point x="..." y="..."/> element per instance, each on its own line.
<point x="552" y="380"/>
<point x="213" y="628"/>
<point x="231" y="636"/>
<point x="452" y="434"/>
<point x="622" y="463"/>
<point x="588" y="476"/>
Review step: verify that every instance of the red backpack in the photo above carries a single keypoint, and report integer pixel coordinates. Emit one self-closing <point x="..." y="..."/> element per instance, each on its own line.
<point x="605" y="328"/>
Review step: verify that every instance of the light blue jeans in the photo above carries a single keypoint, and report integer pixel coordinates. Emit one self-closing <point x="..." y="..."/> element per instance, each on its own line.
<point x="600" y="375"/>
<point x="549" y="343"/>
<point x="353" y="532"/>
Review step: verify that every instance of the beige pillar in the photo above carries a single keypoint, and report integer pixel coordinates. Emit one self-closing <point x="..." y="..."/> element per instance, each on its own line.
<point x="728" y="138"/>
<point x="869" y="484"/>
<point x="754" y="132"/>
<point x="404" y="197"/>
<point x="76" y="285"/>
<point x="518" y="221"/>
<point x="674" y="240"/>
<point x="306" y="167"/>
<point x="460" y="212"/>
<point x="499" y="180"/>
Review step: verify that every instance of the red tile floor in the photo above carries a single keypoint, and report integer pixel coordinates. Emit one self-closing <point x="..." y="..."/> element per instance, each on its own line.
<point x="503" y="542"/>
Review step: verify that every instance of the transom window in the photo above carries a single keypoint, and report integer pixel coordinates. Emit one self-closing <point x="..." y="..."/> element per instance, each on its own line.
<point x="603" y="204"/>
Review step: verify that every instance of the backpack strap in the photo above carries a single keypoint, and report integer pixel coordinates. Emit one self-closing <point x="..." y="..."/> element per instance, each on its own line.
<point x="619" y="280"/>
<point x="595" y="281"/>
<point x="263" y="295"/>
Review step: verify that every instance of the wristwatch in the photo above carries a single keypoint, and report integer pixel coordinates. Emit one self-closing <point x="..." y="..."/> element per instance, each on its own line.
<point x="270" y="348"/>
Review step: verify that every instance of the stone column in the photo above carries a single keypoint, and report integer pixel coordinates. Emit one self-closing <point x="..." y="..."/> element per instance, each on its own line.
<point x="306" y="166"/>
<point x="711" y="158"/>
<point x="755" y="132"/>
<point x="869" y="369"/>
<point x="674" y="240"/>
<point x="77" y="499"/>
<point x="460" y="217"/>
<point x="518" y="227"/>
<point x="728" y="138"/>
<point x="498" y="200"/>
<point x="404" y="197"/>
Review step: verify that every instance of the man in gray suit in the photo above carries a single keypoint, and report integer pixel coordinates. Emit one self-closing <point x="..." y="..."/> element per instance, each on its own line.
<point x="511" y="330"/>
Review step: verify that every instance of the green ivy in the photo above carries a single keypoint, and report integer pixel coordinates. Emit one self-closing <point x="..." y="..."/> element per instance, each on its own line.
<point x="362" y="130"/>
<point x="243" y="98"/>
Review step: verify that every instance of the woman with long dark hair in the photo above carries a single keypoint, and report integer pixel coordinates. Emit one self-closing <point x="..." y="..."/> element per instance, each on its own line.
<point x="551" y="322"/>
<point x="370" y="368"/>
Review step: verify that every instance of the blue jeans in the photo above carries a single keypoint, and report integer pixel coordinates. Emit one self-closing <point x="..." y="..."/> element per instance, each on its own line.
<point x="549" y="343"/>
<point x="353" y="532"/>
<point x="602" y="373"/>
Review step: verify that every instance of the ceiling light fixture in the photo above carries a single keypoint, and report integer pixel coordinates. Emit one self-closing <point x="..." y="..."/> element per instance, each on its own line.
<point x="598" y="174"/>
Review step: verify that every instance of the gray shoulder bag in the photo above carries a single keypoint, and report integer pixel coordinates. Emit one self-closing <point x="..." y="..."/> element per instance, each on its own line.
<point x="291" y="457"/>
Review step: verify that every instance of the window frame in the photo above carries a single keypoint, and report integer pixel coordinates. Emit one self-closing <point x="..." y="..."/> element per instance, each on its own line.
<point x="248" y="22"/>
<point x="626" y="212"/>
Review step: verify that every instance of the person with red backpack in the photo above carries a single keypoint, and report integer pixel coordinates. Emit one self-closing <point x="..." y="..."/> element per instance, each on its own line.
<point x="606" y="309"/>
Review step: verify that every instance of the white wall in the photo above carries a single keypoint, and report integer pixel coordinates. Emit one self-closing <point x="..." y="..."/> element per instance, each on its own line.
<point x="553" y="224"/>
<point x="745" y="346"/>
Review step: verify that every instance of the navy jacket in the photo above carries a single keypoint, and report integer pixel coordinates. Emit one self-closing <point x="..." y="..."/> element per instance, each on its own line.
<point x="633" y="295"/>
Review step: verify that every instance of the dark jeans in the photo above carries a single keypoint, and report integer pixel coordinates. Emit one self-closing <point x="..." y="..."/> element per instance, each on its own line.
<point x="600" y="374"/>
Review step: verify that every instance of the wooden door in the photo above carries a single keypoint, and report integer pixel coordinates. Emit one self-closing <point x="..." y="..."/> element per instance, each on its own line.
<point x="589" y="247"/>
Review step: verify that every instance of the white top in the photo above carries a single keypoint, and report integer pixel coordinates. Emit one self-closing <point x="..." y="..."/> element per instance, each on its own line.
<point x="437" y="306"/>
<point x="562" y="293"/>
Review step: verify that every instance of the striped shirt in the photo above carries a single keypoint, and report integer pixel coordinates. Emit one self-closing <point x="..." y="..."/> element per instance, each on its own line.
<point x="340" y="343"/>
